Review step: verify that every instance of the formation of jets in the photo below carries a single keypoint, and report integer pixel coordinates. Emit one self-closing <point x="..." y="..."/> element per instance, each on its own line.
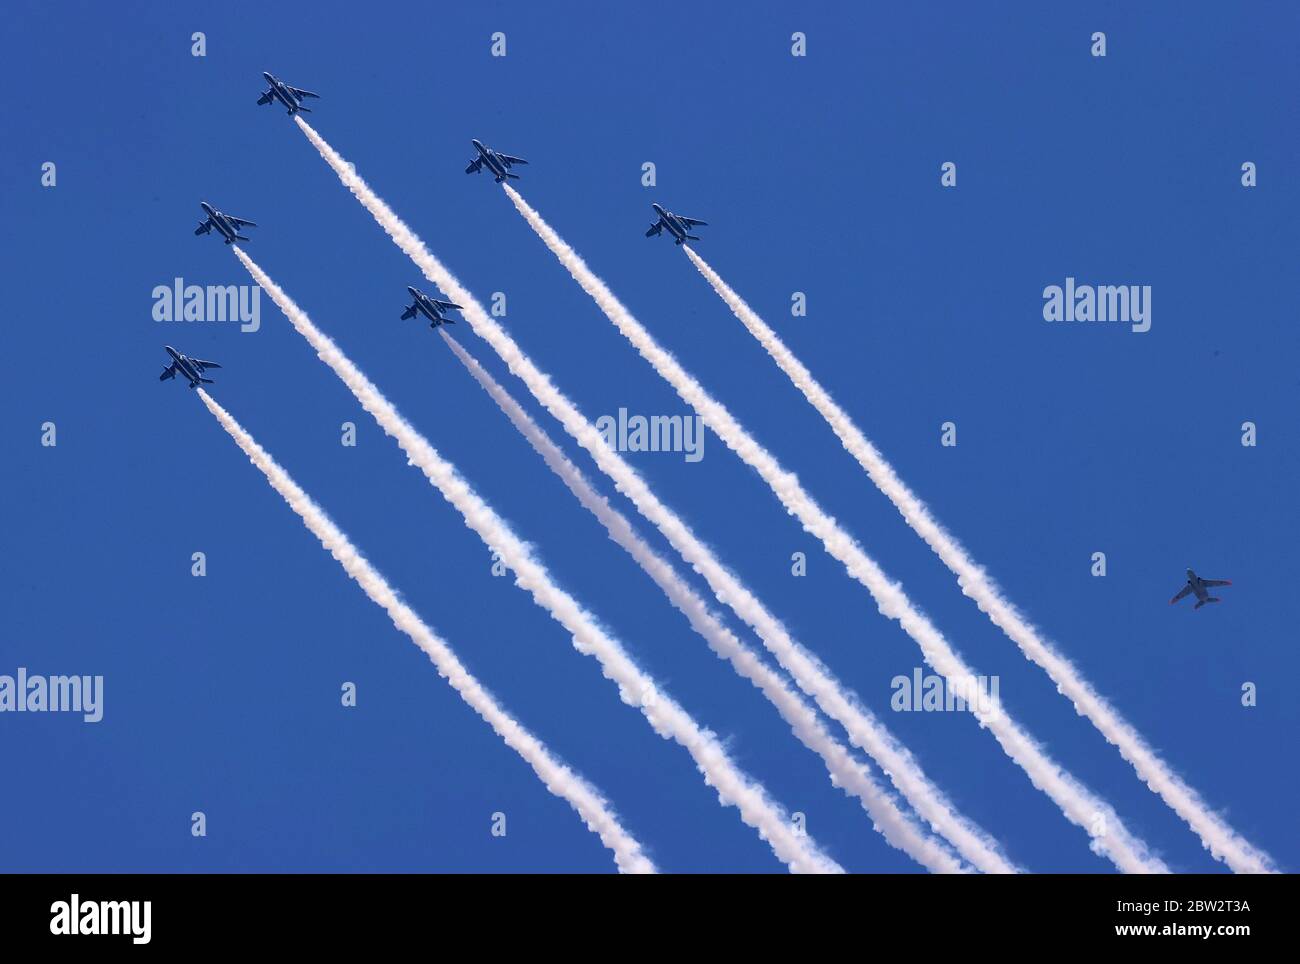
<point x="678" y="226"/>
<point x="498" y="165"/>
<point x="227" y="225"/>
<point x="1200" y="587"/>
<point x="290" y="97"/>
<point x="431" y="308"/>
<point x="191" y="368"/>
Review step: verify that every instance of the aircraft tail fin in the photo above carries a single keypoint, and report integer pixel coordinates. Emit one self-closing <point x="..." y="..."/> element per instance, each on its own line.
<point x="1207" y="599"/>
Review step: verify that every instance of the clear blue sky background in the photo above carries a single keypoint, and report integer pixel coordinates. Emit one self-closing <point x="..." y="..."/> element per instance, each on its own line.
<point x="818" y="175"/>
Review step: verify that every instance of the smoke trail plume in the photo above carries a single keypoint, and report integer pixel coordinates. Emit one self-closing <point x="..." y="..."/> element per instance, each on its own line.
<point x="1079" y="805"/>
<point x="636" y="688"/>
<point x="846" y="773"/>
<point x="1217" y="837"/>
<point x="557" y="777"/>
<point x="813" y="678"/>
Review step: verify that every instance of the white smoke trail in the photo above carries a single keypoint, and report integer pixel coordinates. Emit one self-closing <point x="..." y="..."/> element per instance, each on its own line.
<point x="636" y="688"/>
<point x="1217" y="837"/>
<point x="557" y="777"/>
<point x="1078" y="804"/>
<point x="812" y="677"/>
<point x="847" y="773"/>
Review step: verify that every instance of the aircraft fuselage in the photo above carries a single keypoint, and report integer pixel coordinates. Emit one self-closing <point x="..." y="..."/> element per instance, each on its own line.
<point x="282" y="94"/>
<point x="223" y="226"/>
<point x="184" y="367"/>
<point x="671" y="222"/>
<point x="491" y="161"/>
<point x="429" y="311"/>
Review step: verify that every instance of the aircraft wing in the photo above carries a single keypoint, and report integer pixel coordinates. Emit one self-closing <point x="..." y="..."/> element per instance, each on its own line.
<point x="241" y="221"/>
<point x="304" y="93"/>
<point x="204" y="227"/>
<point x="1217" y="582"/>
<point x="690" y="221"/>
<point x="1182" y="594"/>
<point x="408" y="313"/>
<point x="443" y="304"/>
<point x="474" y="166"/>
<point x="511" y="160"/>
<point x="654" y="229"/>
<point x="203" y="365"/>
<point x="168" y="372"/>
<point x="265" y="98"/>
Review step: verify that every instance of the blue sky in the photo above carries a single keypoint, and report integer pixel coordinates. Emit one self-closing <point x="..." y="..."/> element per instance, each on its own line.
<point x="817" y="174"/>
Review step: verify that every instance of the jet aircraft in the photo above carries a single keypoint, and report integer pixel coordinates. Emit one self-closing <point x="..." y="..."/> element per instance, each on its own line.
<point x="227" y="225"/>
<point x="431" y="308"/>
<point x="1195" y="584"/>
<point x="679" y="227"/>
<point x="191" y="368"/>
<point x="498" y="164"/>
<point x="290" y="97"/>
